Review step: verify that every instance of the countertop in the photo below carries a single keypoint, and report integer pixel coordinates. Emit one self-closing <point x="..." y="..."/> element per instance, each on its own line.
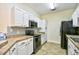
<point x="40" y="33"/>
<point x="73" y="36"/>
<point x="11" y="41"/>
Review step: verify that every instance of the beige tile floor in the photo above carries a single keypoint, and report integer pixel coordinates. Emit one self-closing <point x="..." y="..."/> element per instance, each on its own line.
<point x="51" y="49"/>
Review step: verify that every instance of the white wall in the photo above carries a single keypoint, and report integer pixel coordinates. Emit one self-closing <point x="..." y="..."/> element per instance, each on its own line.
<point x="53" y="24"/>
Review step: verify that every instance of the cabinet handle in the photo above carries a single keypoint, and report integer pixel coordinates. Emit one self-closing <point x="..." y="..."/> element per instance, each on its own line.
<point x="30" y="40"/>
<point x="13" y="50"/>
<point x="75" y="51"/>
<point x="25" y="44"/>
<point x="22" y="43"/>
<point x="28" y="43"/>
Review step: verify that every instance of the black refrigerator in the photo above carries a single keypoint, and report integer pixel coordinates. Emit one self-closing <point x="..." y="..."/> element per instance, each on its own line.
<point x="67" y="28"/>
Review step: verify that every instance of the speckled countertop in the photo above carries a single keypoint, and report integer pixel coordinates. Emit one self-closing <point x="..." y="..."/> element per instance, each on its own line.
<point x="70" y="37"/>
<point x="11" y="41"/>
<point x="39" y="33"/>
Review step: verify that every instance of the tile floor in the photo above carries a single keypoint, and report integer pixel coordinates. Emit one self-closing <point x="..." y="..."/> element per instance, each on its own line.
<point x="51" y="49"/>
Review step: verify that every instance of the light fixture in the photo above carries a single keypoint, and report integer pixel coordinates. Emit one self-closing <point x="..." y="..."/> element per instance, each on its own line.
<point x="52" y="6"/>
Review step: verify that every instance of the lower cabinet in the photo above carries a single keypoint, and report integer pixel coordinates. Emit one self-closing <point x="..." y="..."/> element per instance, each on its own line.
<point x="43" y="39"/>
<point x="72" y="49"/>
<point x="24" y="47"/>
<point x="13" y="50"/>
<point x="30" y="46"/>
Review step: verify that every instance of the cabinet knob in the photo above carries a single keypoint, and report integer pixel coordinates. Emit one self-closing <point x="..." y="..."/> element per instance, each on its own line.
<point x="76" y="51"/>
<point x="22" y="43"/>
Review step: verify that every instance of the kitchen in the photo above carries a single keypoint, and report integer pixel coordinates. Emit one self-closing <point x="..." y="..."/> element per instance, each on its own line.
<point x="25" y="32"/>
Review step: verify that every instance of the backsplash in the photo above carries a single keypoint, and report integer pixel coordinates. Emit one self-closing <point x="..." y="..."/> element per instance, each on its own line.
<point x="15" y="31"/>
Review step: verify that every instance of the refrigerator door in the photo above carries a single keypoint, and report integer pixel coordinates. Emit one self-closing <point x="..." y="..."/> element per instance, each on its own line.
<point x="66" y="28"/>
<point x="63" y="31"/>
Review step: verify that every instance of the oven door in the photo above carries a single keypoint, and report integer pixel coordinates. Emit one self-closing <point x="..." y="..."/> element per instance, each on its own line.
<point x="37" y="43"/>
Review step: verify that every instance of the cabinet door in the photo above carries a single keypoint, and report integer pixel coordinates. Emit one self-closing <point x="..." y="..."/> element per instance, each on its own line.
<point x="43" y="38"/>
<point x="72" y="49"/>
<point x="18" y="17"/>
<point x="31" y="17"/>
<point x="42" y="25"/>
<point x="13" y="50"/>
<point x="75" y="20"/>
<point x="22" y="47"/>
<point x="22" y="50"/>
<point x="30" y="46"/>
<point x="26" y="20"/>
<point x="75" y="17"/>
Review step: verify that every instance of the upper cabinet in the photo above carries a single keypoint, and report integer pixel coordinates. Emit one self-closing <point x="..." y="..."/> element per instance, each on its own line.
<point x="19" y="17"/>
<point x="26" y="20"/>
<point x="75" y="18"/>
<point x="32" y="17"/>
<point x="42" y="25"/>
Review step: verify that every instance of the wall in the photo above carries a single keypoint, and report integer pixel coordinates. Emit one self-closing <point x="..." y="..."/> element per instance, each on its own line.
<point x="53" y="24"/>
<point x="5" y="14"/>
<point x="4" y="17"/>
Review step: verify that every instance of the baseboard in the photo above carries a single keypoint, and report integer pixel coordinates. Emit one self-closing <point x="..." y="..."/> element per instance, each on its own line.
<point x="53" y="42"/>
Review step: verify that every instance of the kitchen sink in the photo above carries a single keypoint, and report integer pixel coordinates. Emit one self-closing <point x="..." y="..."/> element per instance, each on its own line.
<point x="3" y="43"/>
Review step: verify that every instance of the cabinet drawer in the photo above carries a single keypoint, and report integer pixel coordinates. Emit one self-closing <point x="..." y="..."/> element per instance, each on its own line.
<point x="72" y="49"/>
<point x="22" y="42"/>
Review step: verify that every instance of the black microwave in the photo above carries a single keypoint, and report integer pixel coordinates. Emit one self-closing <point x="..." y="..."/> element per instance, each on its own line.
<point x="33" y="24"/>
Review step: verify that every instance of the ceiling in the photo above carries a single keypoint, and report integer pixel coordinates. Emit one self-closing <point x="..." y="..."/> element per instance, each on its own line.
<point x="43" y="8"/>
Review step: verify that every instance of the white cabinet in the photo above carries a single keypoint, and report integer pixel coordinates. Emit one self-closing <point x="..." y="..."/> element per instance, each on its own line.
<point x="31" y="17"/>
<point x="26" y="20"/>
<point x="17" y="17"/>
<point x="22" y="47"/>
<point x="42" y="25"/>
<point x="75" y="18"/>
<point x="43" y="38"/>
<point x="21" y="17"/>
<point x="25" y="47"/>
<point x="30" y="46"/>
<point x="72" y="49"/>
<point x="13" y="50"/>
